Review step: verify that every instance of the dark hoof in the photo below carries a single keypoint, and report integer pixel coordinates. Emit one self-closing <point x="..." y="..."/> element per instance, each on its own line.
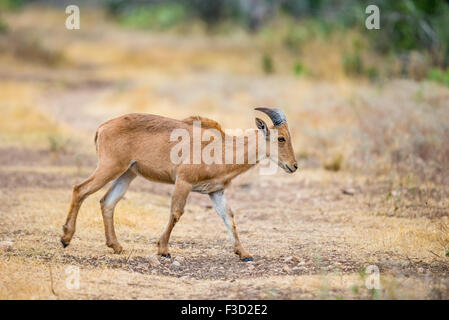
<point x="168" y="256"/>
<point x="247" y="259"/>
<point x="64" y="245"/>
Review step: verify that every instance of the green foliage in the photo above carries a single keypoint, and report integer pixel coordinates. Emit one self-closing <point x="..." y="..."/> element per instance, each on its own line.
<point x="116" y="7"/>
<point x="299" y="8"/>
<point x="57" y="143"/>
<point x="299" y="33"/>
<point x="439" y="76"/>
<point x="375" y="294"/>
<point x="162" y="16"/>
<point x="210" y="12"/>
<point x="298" y="69"/>
<point x="8" y="5"/>
<point x="296" y="36"/>
<point x="362" y="273"/>
<point x="413" y="25"/>
<point x="405" y="25"/>
<point x="355" y="289"/>
<point x="352" y="63"/>
<point x="267" y="64"/>
<point x="11" y="4"/>
<point x="372" y="73"/>
<point x="213" y="12"/>
<point x="3" y="26"/>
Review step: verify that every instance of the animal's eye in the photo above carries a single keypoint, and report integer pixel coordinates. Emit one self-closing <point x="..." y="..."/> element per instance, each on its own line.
<point x="281" y="139"/>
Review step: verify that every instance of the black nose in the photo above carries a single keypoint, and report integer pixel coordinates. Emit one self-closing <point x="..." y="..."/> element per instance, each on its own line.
<point x="295" y="165"/>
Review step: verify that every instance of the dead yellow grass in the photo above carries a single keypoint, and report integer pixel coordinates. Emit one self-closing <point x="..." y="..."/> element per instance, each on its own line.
<point x="24" y="280"/>
<point x="22" y="123"/>
<point x="414" y="238"/>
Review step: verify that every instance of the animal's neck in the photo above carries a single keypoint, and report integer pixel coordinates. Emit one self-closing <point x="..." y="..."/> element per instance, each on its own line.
<point x="248" y="150"/>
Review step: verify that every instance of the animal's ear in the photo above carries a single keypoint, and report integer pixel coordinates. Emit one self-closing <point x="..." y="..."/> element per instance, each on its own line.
<point x="262" y="126"/>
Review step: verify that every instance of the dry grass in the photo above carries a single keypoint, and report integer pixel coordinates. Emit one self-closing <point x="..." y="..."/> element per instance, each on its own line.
<point x="386" y="142"/>
<point x="22" y="123"/>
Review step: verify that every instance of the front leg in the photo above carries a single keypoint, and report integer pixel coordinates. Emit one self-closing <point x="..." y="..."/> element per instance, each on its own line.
<point x="219" y="200"/>
<point x="178" y="202"/>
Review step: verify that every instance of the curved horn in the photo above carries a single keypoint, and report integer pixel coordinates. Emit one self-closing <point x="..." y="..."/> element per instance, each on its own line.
<point x="276" y="115"/>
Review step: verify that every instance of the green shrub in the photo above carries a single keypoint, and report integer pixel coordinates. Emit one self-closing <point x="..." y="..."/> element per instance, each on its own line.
<point x="298" y="8"/>
<point x="296" y="36"/>
<point x="267" y="64"/>
<point x="439" y="76"/>
<point x="352" y="63"/>
<point x="210" y="12"/>
<point x="8" y="5"/>
<point x="372" y="73"/>
<point x="298" y="69"/>
<point x="116" y="7"/>
<point x="412" y="25"/>
<point x="158" y="14"/>
<point x="57" y="144"/>
<point x="3" y="26"/>
<point x="162" y="16"/>
<point x="11" y="4"/>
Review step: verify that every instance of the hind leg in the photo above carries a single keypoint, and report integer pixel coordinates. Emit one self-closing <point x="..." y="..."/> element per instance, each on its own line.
<point x="108" y="203"/>
<point x="101" y="176"/>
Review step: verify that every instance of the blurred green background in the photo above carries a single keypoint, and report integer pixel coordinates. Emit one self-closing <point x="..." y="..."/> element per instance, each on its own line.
<point x="414" y="34"/>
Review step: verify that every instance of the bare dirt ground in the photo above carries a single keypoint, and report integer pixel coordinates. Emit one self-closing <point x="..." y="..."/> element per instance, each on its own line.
<point x="312" y="234"/>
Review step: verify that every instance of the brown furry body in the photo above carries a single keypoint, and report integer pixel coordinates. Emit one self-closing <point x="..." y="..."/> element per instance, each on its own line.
<point x="139" y="144"/>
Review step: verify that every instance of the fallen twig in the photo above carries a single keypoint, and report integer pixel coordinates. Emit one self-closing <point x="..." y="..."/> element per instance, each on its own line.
<point x="51" y="281"/>
<point x="434" y="253"/>
<point x="129" y="256"/>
